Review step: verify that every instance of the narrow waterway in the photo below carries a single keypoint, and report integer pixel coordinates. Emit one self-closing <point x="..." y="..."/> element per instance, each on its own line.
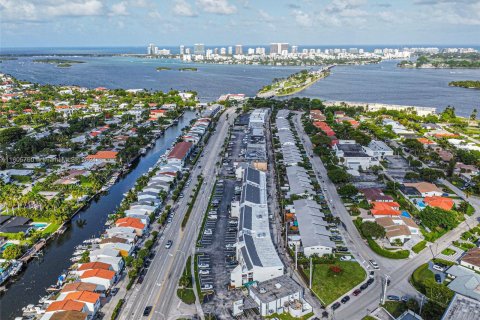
<point x="43" y="272"/>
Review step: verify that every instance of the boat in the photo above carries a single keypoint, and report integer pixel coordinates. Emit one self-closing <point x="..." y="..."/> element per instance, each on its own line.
<point x="81" y="247"/>
<point x="52" y="288"/>
<point x="78" y="252"/>
<point x="75" y="259"/>
<point x="143" y="151"/>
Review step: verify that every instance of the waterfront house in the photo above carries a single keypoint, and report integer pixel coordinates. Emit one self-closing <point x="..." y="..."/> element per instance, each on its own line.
<point x="90" y="299"/>
<point x="115" y="239"/>
<point x="147" y="195"/>
<point x="471" y="259"/>
<point x="144" y="208"/>
<point x="117" y="263"/>
<point x="103" y="252"/>
<point x="92" y="265"/>
<point x="180" y="152"/>
<point x="125" y="249"/>
<point x="77" y="286"/>
<point x="103" y="278"/>
<point x="15" y="224"/>
<point x="65" y="305"/>
<point x="138" y="214"/>
<point x="317" y="115"/>
<point x="132" y="223"/>
<point x="122" y="232"/>
<point x="67" y="315"/>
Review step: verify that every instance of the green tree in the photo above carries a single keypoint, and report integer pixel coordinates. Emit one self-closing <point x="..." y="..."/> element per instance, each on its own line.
<point x="348" y="190"/>
<point x="13" y="251"/>
<point x="372" y="230"/>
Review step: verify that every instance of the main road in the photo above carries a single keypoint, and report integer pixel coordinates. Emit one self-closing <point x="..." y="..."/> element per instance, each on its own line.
<point x="161" y="281"/>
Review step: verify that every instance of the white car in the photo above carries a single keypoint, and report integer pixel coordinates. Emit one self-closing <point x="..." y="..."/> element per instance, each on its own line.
<point x="207" y="287"/>
<point x="207" y="232"/>
<point x="203" y="271"/>
<point x="346" y="258"/>
<point x="203" y="265"/>
<point x="374" y="264"/>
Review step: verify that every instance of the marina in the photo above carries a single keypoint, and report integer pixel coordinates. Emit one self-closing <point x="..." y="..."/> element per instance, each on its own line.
<point x="42" y="272"/>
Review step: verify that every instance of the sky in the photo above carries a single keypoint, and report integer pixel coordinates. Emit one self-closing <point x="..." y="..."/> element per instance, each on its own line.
<point x="105" y="23"/>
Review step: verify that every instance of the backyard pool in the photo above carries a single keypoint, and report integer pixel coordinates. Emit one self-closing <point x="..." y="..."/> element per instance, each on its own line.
<point x="406" y="214"/>
<point x="39" y="225"/>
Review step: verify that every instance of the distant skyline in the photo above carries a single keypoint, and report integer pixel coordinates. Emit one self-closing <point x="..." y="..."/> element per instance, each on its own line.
<point x="110" y="23"/>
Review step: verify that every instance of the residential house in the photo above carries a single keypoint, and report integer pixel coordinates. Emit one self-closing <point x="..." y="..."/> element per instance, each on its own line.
<point x="471" y="259"/>
<point x="426" y="189"/>
<point x="439" y="202"/>
<point x="103" y="278"/>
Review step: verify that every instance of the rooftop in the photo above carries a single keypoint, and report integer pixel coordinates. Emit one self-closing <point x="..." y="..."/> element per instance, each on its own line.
<point x="276" y="288"/>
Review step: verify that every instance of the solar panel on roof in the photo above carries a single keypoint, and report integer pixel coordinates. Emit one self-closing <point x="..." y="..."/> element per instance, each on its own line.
<point x="246" y="258"/>
<point x="252" y="250"/>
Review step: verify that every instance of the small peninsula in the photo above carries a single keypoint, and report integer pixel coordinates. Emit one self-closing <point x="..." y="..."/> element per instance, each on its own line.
<point x="294" y="83"/>
<point x="469" y="84"/>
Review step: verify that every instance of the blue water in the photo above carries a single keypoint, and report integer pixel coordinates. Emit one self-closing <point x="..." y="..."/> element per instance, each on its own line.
<point x="421" y="204"/>
<point x="382" y="83"/>
<point x="406" y="214"/>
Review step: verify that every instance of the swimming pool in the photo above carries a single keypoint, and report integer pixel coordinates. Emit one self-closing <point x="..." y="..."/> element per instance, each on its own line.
<point x="5" y="246"/>
<point x="39" y="225"/>
<point x="421" y="204"/>
<point x="406" y="214"/>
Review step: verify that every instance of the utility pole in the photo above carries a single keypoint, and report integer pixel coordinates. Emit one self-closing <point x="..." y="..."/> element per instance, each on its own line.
<point x="384" y="296"/>
<point x="421" y="304"/>
<point x="311" y="274"/>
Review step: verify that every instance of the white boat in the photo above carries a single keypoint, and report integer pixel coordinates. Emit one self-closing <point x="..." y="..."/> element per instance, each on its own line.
<point x="75" y="259"/>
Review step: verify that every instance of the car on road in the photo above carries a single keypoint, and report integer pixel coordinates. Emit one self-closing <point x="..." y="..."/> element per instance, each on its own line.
<point x="357" y="292"/>
<point x="168" y="245"/>
<point x="438" y="278"/>
<point x="346" y="258"/>
<point x="393" y="298"/>
<point x="374" y="264"/>
<point x="140" y="279"/>
<point x="372" y="274"/>
<point x="336" y="305"/>
<point x="405" y="298"/>
<point x="147" y="311"/>
<point x="345" y="299"/>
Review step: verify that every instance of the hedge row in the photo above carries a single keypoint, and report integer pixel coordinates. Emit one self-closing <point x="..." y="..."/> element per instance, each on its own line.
<point x="400" y="254"/>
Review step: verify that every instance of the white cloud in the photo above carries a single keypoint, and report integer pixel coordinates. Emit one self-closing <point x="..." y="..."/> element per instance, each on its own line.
<point x="183" y="8"/>
<point x="217" y="6"/>
<point x="303" y="19"/>
<point x="265" y="16"/>
<point x="32" y="10"/>
<point x="119" y="9"/>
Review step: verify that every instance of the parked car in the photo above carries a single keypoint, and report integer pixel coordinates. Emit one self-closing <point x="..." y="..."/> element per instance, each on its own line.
<point x="372" y="274"/>
<point x="439" y="267"/>
<point x="405" y="298"/>
<point x="203" y="265"/>
<point x="370" y="281"/>
<point x="393" y="298"/>
<point x="336" y="305"/>
<point x="206" y="287"/>
<point x="345" y="299"/>
<point x="345" y="258"/>
<point x="364" y="286"/>
<point x="147" y="311"/>
<point x="114" y="291"/>
<point x="438" y="278"/>
<point x="168" y="245"/>
<point x="204" y="271"/>
<point x="357" y="292"/>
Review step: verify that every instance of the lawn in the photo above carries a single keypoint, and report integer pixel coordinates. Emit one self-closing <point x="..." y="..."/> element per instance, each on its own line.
<point x="328" y="286"/>
<point x="186" y="295"/>
<point x="448" y="252"/>
<point x="286" y="316"/>
<point x="51" y="228"/>
<point x="419" y="246"/>
<point x="395" y="308"/>
<point x="421" y="275"/>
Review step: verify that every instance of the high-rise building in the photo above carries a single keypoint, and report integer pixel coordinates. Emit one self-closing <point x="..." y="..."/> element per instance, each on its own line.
<point x="151" y="49"/>
<point x="250" y="51"/>
<point x="209" y="53"/>
<point x="182" y="49"/>
<point x="199" y="49"/>
<point x="238" y="49"/>
<point x="223" y="51"/>
<point x="215" y="51"/>
<point x="187" y="50"/>
<point x="294" y="49"/>
<point x="230" y="50"/>
<point x="260" y="50"/>
<point x="278" y="48"/>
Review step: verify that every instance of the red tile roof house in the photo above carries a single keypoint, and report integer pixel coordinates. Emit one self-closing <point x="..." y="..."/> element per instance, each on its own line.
<point x="92" y="265"/>
<point x="103" y="278"/>
<point x="68" y="315"/>
<point x="439" y="202"/>
<point x="389" y="209"/>
<point x="155" y="114"/>
<point x="180" y="152"/>
<point x="66" y="305"/>
<point x="132" y="223"/>
<point x="90" y="299"/>
<point x="107" y="156"/>
<point x="317" y="115"/>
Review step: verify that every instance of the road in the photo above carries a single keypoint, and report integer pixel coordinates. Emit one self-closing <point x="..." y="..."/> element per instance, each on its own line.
<point x="160" y="284"/>
<point x="399" y="271"/>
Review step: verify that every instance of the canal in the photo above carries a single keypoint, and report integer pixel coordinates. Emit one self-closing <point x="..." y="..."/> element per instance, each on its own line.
<point x="43" y="272"/>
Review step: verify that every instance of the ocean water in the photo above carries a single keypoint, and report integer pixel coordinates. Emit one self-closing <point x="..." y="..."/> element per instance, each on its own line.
<point x="383" y="83"/>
